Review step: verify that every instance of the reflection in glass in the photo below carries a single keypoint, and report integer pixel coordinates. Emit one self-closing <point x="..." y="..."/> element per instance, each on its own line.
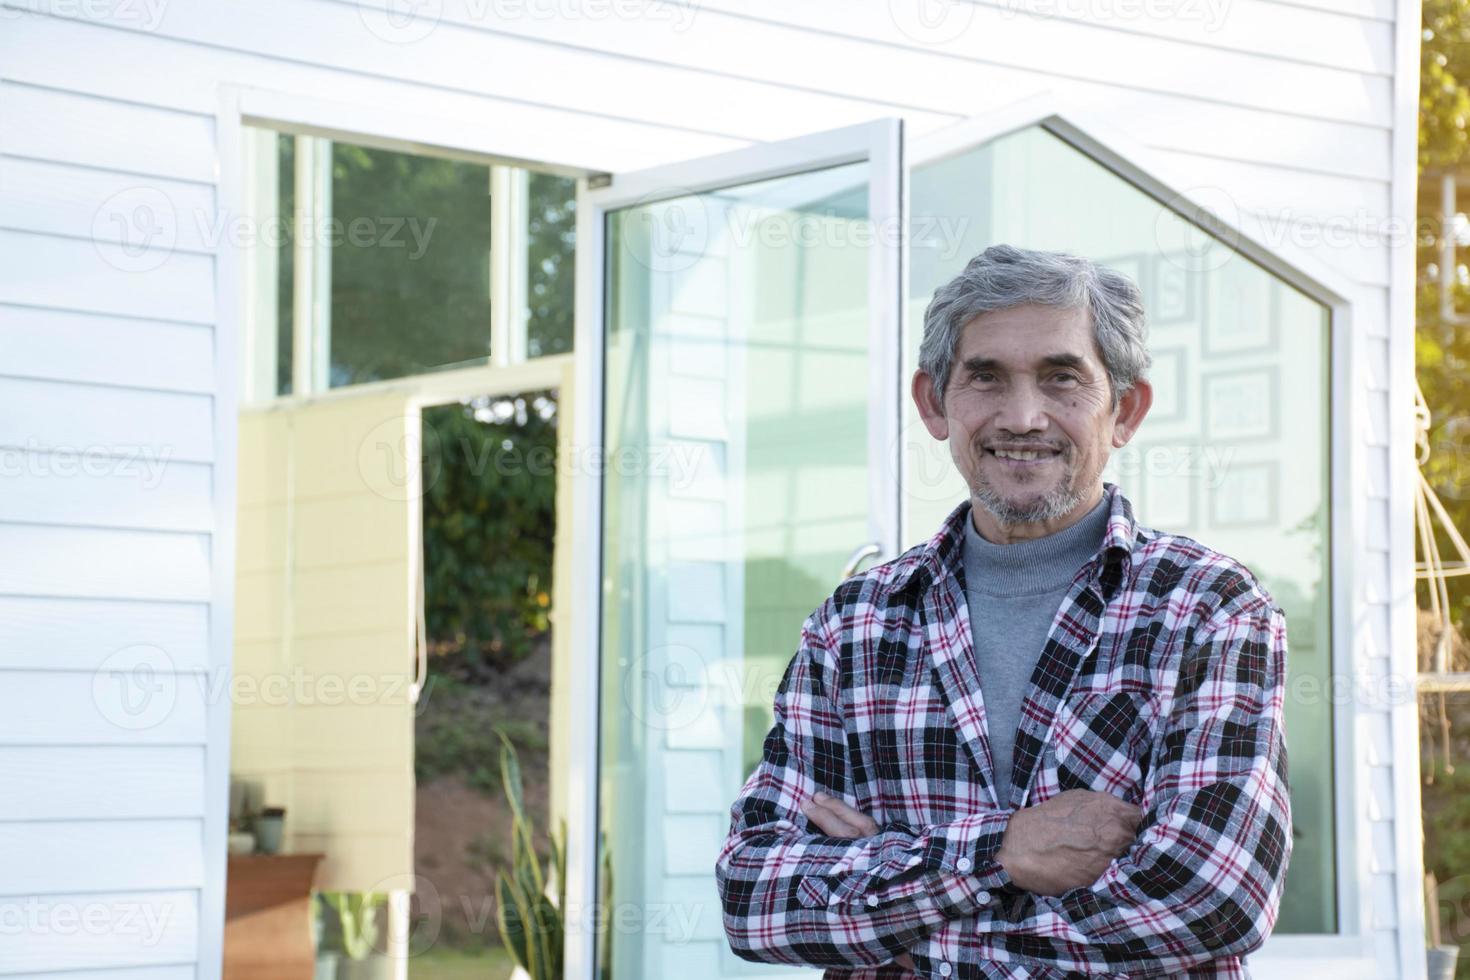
<point x="410" y="246"/>
<point x="551" y="239"/>
<point x="736" y="485"/>
<point x="1235" y="449"/>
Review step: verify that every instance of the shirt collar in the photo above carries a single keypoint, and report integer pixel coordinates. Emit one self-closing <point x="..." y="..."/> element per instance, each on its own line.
<point x="943" y="553"/>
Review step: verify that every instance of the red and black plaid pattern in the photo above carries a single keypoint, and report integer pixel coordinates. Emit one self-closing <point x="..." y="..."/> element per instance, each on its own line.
<point x="1161" y="682"/>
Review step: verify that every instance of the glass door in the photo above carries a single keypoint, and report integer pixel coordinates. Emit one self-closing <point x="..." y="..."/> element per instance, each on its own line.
<point x="744" y="387"/>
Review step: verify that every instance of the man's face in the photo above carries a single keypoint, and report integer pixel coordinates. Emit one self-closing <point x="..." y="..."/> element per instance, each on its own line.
<point x="1029" y="418"/>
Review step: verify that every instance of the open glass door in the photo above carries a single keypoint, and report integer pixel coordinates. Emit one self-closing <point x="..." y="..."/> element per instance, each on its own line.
<point x="738" y="328"/>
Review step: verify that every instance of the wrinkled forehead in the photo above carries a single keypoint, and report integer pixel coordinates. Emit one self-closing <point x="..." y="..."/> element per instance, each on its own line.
<point x="1024" y="337"/>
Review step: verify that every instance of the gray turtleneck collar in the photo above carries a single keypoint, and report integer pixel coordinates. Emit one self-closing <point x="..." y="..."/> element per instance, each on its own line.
<point x="1036" y="566"/>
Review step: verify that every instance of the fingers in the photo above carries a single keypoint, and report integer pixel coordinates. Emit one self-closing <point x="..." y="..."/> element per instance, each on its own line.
<point x="852" y="817"/>
<point x="836" y="818"/>
<point x="827" y="821"/>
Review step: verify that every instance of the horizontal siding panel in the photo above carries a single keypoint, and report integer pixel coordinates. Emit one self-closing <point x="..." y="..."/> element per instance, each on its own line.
<point x="112" y="707"/>
<point x="115" y="491"/>
<point x="106" y="206"/>
<point x="100" y="277"/>
<point x="99" y="930"/>
<point x="60" y="346"/>
<point x="1078" y="51"/>
<point x="319" y="735"/>
<point x="1341" y="203"/>
<point x="102" y="563"/>
<point x="153" y="428"/>
<point x="1276" y="30"/>
<point x="157" y="972"/>
<point x="46" y="782"/>
<point x="41" y="857"/>
<point x="1368" y="9"/>
<point x="102" y="61"/>
<point x="106" y="58"/>
<point x="80" y="634"/>
<point x="456" y="58"/>
<point x="48" y="124"/>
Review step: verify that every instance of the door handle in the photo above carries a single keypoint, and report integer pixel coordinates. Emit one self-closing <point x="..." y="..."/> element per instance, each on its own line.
<point x="850" y="567"/>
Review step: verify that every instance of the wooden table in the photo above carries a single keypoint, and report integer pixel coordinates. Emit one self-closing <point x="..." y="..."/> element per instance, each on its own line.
<point x="268" y="917"/>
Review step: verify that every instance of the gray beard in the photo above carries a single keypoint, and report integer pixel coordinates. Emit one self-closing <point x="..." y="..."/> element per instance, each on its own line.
<point x="1055" y="503"/>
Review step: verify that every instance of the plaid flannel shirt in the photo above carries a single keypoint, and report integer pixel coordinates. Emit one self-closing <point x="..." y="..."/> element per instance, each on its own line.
<point x="1161" y="682"/>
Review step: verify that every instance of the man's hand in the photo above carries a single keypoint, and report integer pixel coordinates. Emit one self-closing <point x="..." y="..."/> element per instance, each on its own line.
<point x="837" y="819"/>
<point x="1068" y="841"/>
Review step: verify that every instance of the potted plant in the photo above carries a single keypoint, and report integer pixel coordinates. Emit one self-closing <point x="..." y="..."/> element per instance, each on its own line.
<point x="357" y="917"/>
<point x="531" y="923"/>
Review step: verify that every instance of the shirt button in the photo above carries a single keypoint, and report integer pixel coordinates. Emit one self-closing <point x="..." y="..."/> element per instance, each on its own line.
<point x="872" y="899"/>
<point x="945" y="969"/>
<point x="963" y="864"/>
<point x="982" y="898"/>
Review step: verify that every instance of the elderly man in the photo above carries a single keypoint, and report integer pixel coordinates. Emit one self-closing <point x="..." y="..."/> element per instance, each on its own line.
<point x="1049" y="740"/>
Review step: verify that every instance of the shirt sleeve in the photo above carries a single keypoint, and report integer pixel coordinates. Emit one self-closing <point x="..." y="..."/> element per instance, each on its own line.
<point x="791" y="894"/>
<point x="1203" y="880"/>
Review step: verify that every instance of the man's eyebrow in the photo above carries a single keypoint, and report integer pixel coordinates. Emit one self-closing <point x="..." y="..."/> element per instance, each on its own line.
<point x="973" y="364"/>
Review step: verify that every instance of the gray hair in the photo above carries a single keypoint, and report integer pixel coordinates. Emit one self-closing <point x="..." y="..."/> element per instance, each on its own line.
<point x="1004" y="276"/>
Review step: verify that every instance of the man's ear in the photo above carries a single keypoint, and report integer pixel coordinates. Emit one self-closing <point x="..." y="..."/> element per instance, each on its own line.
<point x="1132" y="407"/>
<point x="930" y="408"/>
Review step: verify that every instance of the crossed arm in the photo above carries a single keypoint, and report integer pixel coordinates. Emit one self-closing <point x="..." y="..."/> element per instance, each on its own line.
<point x="1197" y="878"/>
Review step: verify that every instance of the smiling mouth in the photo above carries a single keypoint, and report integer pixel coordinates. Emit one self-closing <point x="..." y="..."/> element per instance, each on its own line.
<point x="1024" y="455"/>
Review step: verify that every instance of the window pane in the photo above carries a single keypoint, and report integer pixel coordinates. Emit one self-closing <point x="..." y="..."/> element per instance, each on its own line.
<point x="410" y="243"/>
<point x="1234" y="451"/>
<point x="551" y="237"/>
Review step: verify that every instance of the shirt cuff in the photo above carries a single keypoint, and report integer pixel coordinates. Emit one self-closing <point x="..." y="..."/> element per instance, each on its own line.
<point x="949" y="867"/>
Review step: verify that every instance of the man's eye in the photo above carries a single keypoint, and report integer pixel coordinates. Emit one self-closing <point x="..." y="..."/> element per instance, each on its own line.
<point x="982" y="377"/>
<point x="1064" y="376"/>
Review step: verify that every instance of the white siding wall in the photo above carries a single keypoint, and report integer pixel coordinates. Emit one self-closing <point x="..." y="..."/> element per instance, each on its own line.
<point x="1287" y="107"/>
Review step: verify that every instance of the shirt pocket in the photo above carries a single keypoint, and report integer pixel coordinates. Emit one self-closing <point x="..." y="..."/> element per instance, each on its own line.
<point x="1100" y="742"/>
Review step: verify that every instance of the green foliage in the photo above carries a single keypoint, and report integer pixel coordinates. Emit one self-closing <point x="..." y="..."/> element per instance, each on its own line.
<point x="357" y="914"/>
<point x="1444" y="102"/>
<point x="1442" y="349"/>
<point x="551" y="225"/>
<point x="531" y="924"/>
<point x="489" y="523"/>
<point x="458" y="735"/>
<point x="411" y="268"/>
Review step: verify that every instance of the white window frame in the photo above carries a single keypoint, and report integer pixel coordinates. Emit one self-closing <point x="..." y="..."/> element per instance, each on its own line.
<point x="245" y="363"/>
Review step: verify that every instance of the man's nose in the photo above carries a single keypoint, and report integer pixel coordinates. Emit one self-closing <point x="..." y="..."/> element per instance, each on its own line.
<point x="1022" y="411"/>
